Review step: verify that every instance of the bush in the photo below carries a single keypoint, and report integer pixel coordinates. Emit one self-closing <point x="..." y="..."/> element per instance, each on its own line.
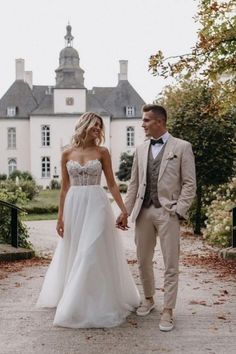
<point x="219" y="218"/>
<point x="125" y="167"/>
<point x="44" y="209"/>
<point x="18" y="198"/>
<point x="3" y="176"/>
<point x="23" y="175"/>
<point x="29" y="187"/>
<point x="123" y="188"/>
<point x="55" y="184"/>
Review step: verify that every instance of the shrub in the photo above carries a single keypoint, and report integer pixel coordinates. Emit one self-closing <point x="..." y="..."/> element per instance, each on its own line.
<point x="219" y="219"/>
<point x="123" y="188"/>
<point x="29" y="187"/>
<point x="3" y="176"/>
<point x="125" y="167"/>
<point x="55" y="184"/>
<point x="43" y="209"/>
<point x="18" y="198"/>
<point x="23" y="175"/>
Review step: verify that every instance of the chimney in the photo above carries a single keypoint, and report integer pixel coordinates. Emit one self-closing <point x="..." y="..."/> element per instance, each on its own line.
<point x="20" y="69"/>
<point x="123" y="74"/>
<point x="29" y="78"/>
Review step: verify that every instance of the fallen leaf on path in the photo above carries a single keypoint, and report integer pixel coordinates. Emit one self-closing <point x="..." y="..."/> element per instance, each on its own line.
<point x="200" y="302"/>
<point x="222" y="317"/>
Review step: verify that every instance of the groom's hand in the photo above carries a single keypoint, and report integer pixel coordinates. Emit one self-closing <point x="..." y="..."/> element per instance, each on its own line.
<point x="122" y="222"/>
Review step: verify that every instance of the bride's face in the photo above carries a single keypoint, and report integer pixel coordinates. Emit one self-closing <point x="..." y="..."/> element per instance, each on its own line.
<point x="95" y="131"/>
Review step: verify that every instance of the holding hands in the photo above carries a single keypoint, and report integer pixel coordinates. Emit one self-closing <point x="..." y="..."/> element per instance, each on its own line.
<point x="122" y="221"/>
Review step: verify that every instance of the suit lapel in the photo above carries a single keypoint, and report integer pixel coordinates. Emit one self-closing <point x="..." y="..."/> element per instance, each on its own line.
<point x="145" y="156"/>
<point x="170" y="144"/>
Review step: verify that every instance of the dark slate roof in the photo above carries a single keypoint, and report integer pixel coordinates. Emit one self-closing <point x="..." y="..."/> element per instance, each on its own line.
<point x="93" y="105"/>
<point x="39" y="92"/>
<point x="115" y="99"/>
<point x="110" y="101"/>
<point x="21" y="96"/>
<point x="45" y="106"/>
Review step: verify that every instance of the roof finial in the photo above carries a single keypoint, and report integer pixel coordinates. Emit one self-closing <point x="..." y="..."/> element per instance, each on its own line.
<point x="68" y="37"/>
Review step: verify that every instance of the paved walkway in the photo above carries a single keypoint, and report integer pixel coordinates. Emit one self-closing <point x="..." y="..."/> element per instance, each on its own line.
<point x="205" y="313"/>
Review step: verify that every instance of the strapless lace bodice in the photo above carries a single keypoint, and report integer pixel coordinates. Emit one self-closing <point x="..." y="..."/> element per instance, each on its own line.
<point x="84" y="175"/>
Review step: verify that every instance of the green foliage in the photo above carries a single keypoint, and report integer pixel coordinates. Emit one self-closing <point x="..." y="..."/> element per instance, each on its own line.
<point x="123" y="187"/>
<point x="125" y="167"/>
<point x="3" y="176"/>
<point x="55" y="184"/>
<point x="29" y="187"/>
<point x="22" y="175"/>
<point x="45" y="202"/>
<point x="213" y="56"/>
<point x="219" y="219"/>
<point x="212" y="136"/>
<point x="193" y="118"/>
<point x="18" y="198"/>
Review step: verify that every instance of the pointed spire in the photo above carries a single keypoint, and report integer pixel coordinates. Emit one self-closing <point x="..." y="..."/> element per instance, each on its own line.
<point x="68" y="37"/>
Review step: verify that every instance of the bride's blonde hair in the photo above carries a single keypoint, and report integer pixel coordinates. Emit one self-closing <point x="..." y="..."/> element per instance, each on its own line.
<point x="84" y="123"/>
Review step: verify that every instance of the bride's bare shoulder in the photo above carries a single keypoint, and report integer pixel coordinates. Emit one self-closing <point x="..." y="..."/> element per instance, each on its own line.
<point x="104" y="151"/>
<point x="66" y="153"/>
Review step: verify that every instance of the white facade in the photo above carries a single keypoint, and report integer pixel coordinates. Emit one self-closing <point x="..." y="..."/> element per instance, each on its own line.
<point x="120" y="141"/>
<point x="37" y="122"/>
<point x="22" y="145"/>
<point x="69" y="100"/>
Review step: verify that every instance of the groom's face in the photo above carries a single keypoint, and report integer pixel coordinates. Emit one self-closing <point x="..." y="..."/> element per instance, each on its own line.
<point x="151" y="124"/>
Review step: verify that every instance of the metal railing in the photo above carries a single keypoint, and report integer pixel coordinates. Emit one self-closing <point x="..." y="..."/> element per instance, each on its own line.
<point x="14" y="221"/>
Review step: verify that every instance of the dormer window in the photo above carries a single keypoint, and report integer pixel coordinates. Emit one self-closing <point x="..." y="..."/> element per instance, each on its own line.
<point x="11" y="111"/>
<point x="130" y="111"/>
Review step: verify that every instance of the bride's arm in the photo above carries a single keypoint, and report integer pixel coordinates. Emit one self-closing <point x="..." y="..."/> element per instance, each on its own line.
<point x="65" y="184"/>
<point x="111" y="183"/>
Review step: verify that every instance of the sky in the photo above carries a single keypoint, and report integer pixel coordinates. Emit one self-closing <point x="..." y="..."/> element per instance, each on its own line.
<point x="105" y="31"/>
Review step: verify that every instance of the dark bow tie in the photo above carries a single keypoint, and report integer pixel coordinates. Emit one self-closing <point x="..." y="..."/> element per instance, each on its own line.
<point x="158" y="141"/>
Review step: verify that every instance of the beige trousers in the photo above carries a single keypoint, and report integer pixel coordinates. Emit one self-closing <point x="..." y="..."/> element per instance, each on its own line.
<point x="153" y="222"/>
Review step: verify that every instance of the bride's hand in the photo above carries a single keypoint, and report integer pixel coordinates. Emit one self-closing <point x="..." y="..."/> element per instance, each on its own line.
<point x="122" y="222"/>
<point x="60" y="228"/>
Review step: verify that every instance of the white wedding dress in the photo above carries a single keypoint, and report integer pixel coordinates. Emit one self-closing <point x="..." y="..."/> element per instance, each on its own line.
<point x="88" y="279"/>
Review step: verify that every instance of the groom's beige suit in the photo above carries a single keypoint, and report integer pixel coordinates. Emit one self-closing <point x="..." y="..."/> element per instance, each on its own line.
<point x="161" y="191"/>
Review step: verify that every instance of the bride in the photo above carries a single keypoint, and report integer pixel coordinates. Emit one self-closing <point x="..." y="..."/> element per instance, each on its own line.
<point x="88" y="280"/>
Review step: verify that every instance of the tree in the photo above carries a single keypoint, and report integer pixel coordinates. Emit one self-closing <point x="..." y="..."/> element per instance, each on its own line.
<point x="194" y="118"/>
<point x="125" y="167"/>
<point x="213" y="56"/>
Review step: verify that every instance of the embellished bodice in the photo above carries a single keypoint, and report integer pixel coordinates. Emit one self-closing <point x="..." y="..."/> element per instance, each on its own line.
<point x="84" y="175"/>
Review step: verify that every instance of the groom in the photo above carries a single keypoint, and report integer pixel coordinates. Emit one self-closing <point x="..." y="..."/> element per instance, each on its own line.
<point x="160" y="192"/>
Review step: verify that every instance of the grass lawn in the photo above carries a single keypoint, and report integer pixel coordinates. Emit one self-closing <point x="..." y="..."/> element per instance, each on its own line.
<point x="43" y="207"/>
<point x="46" y="197"/>
<point x="36" y="217"/>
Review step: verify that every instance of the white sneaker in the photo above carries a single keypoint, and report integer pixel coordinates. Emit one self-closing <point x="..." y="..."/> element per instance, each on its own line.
<point x="145" y="308"/>
<point x="166" y="323"/>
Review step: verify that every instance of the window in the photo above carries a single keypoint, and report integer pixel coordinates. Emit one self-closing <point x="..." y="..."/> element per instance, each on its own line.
<point x="11" y="138"/>
<point x="12" y="165"/>
<point x="130" y="111"/>
<point x="130" y="136"/>
<point x="45" y="135"/>
<point x="45" y="167"/>
<point x="69" y="101"/>
<point x="11" y="111"/>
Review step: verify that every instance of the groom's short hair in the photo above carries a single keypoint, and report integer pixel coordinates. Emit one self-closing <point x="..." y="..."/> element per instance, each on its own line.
<point x="159" y="111"/>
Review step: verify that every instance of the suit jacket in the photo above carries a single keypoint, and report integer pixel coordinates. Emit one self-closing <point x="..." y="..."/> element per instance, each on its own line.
<point x="176" y="183"/>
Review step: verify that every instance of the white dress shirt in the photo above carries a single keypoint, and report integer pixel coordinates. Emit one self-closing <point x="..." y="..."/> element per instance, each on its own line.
<point x="157" y="147"/>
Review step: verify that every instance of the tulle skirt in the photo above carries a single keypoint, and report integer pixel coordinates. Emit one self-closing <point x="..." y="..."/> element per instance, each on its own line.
<point x="89" y="280"/>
